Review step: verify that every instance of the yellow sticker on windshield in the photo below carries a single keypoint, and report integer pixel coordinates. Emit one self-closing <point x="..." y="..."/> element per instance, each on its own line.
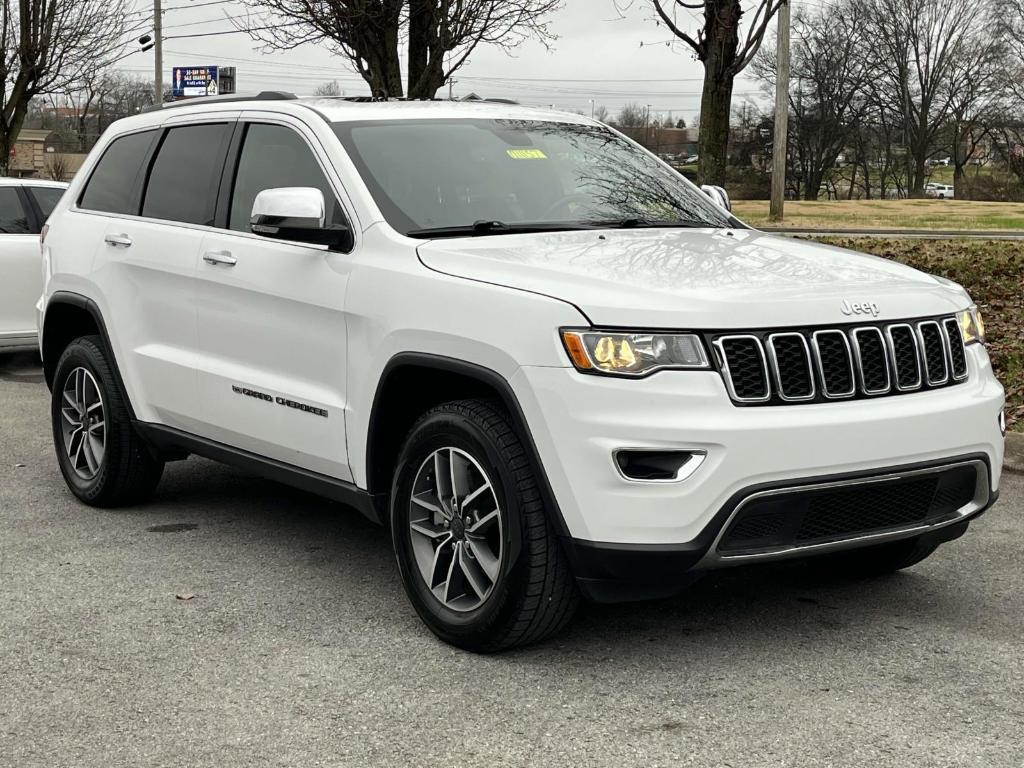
<point x="526" y="154"/>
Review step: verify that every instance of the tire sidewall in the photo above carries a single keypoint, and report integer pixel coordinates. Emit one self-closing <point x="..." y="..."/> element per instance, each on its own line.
<point x="440" y="430"/>
<point x="84" y="354"/>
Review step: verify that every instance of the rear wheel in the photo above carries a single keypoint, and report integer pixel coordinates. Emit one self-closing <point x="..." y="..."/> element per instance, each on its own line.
<point x="104" y="462"/>
<point x="877" y="560"/>
<point x="478" y="560"/>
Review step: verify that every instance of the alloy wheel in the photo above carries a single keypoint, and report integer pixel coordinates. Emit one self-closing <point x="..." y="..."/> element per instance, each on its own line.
<point x="83" y="423"/>
<point x="456" y="529"/>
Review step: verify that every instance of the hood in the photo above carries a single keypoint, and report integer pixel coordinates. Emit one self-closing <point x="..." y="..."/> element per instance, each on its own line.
<point x="698" y="278"/>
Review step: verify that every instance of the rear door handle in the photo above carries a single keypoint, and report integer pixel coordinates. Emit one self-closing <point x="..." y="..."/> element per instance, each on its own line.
<point x="220" y="257"/>
<point x="118" y="241"/>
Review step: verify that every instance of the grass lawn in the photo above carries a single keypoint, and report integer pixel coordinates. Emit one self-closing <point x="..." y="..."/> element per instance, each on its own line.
<point x="887" y="214"/>
<point x="992" y="271"/>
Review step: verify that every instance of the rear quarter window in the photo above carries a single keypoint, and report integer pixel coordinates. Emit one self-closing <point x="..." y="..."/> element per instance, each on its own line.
<point x="111" y="187"/>
<point x="46" y="198"/>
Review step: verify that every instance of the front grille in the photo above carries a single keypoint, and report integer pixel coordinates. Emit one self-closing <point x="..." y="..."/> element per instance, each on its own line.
<point x="810" y="516"/>
<point x="816" y="365"/>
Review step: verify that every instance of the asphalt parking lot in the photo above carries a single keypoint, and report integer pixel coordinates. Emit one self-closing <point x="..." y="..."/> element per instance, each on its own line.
<point x="298" y="648"/>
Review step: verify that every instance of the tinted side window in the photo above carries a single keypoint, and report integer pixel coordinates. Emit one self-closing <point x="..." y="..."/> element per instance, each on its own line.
<point x="111" y="187"/>
<point x="46" y="198"/>
<point x="13" y="220"/>
<point x="183" y="183"/>
<point x="276" y="156"/>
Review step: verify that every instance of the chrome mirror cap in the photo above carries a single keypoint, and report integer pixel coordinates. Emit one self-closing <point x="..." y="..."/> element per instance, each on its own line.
<point x="718" y="195"/>
<point x="287" y="208"/>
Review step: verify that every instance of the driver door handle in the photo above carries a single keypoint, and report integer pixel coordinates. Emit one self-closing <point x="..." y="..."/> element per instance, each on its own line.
<point x="220" y="257"/>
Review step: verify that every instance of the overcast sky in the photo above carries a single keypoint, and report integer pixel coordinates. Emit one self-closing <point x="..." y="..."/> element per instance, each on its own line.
<point x="600" y="54"/>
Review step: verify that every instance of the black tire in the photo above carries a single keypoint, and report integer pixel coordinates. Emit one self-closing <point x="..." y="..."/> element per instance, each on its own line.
<point x="128" y="472"/>
<point x="535" y="594"/>
<point x="874" y="561"/>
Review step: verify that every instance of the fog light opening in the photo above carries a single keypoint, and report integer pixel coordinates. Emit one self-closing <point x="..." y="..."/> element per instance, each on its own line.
<point x="657" y="466"/>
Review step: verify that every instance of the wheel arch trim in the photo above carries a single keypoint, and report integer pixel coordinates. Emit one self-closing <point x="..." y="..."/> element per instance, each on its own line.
<point x="483" y="375"/>
<point x="88" y="305"/>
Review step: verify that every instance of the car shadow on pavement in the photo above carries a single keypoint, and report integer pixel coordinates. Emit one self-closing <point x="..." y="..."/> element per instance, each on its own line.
<point x="24" y="367"/>
<point x="733" y="610"/>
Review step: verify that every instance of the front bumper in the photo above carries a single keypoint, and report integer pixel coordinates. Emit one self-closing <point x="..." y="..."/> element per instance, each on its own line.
<point x="578" y="422"/>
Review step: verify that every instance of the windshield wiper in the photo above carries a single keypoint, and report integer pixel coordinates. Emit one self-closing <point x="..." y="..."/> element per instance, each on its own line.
<point x="485" y="227"/>
<point x="636" y="223"/>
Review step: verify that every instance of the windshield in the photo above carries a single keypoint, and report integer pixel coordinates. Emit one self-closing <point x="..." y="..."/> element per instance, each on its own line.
<point x="485" y="176"/>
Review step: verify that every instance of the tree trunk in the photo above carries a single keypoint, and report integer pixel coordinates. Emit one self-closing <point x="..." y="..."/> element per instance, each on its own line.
<point x="920" y="168"/>
<point x="813" y="184"/>
<point x="721" y="28"/>
<point x="420" y="17"/>
<point x="715" y="106"/>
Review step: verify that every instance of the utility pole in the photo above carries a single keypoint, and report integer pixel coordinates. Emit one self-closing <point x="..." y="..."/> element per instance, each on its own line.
<point x="781" y="116"/>
<point x="158" y="35"/>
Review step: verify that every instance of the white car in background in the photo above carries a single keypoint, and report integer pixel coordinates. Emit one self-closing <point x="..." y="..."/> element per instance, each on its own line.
<point x="25" y="204"/>
<point x="940" y="191"/>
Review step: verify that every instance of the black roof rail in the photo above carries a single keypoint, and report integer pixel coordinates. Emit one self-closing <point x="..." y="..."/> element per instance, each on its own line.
<point x="261" y="96"/>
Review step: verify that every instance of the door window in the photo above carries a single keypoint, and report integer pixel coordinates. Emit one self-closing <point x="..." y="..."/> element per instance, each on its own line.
<point x="111" y="188"/>
<point x="13" y="219"/>
<point x="46" y="198"/>
<point x="276" y="156"/>
<point x="183" y="183"/>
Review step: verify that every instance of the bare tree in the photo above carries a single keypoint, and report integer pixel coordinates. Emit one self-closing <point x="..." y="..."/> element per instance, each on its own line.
<point x="331" y="88"/>
<point x="977" y="87"/>
<point x="441" y="34"/>
<point x="57" y="166"/>
<point x="917" y="44"/>
<point x="47" y="45"/>
<point x="601" y="113"/>
<point x="718" y="46"/>
<point x="827" y="101"/>
<point x="632" y="115"/>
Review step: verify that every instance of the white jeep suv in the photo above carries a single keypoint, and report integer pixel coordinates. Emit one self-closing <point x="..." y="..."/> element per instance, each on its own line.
<point x="548" y="363"/>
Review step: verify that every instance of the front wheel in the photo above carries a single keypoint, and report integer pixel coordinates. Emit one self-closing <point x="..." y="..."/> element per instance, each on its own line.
<point x="477" y="558"/>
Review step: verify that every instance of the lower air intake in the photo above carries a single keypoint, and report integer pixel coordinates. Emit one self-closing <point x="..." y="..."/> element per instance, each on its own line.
<point x="806" y="517"/>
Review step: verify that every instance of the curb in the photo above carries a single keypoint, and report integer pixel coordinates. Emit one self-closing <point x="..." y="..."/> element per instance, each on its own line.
<point x="1013" y="458"/>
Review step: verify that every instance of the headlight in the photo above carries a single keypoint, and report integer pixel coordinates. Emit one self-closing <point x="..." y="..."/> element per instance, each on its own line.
<point x="971" y="326"/>
<point x="633" y="354"/>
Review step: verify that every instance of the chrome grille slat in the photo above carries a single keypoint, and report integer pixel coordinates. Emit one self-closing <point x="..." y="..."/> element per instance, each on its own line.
<point x="815" y="365"/>
<point x="957" y="351"/>
<point x="790" y="375"/>
<point x="723" y="344"/>
<point x="929" y="334"/>
<point x="838" y="368"/>
<point x="899" y="360"/>
<point x="868" y="358"/>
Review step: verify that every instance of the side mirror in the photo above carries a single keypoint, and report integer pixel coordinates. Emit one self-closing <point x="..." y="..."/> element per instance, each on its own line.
<point x="718" y="195"/>
<point x="297" y="214"/>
